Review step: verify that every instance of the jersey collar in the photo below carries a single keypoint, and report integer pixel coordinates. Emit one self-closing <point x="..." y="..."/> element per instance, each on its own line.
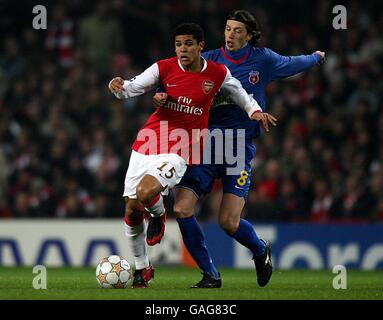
<point x="203" y="67"/>
<point x="238" y="56"/>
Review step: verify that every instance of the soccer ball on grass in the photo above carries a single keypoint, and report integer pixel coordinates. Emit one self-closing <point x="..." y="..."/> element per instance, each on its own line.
<point x="113" y="272"/>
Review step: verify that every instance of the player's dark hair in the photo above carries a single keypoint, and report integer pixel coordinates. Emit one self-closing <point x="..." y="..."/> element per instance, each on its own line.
<point x="249" y="21"/>
<point x="190" y="29"/>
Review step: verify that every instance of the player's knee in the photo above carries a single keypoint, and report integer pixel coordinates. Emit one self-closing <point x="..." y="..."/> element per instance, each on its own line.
<point x="144" y="195"/>
<point x="181" y="211"/>
<point x="227" y="224"/>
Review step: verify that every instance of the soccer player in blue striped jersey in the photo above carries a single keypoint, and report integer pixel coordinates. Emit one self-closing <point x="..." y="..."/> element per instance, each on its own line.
<point x="255" y="68"/>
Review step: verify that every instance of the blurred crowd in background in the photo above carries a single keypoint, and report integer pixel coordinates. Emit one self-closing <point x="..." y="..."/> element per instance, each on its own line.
<point x="65" y="139"/>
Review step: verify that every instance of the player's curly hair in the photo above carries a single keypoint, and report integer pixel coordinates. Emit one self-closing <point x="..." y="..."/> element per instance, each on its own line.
<point x="249" y="21"/>
<point x="190" y="28"/>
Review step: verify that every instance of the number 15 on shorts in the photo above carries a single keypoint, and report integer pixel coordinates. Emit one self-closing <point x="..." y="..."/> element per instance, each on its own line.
<point x="169" y="173"/>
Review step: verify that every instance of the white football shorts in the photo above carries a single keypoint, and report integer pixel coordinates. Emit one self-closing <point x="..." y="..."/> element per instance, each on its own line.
<point x="168" y="169"/>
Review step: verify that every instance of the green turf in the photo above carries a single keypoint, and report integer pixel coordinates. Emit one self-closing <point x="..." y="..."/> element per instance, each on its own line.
<point x="173" y="283"/>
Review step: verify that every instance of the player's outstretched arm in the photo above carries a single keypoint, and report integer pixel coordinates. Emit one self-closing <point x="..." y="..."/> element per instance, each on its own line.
<point x="146" y="81"/>
<point x="286" y="66"/>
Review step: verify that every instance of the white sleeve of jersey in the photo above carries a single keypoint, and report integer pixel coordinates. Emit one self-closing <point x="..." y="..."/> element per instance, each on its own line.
<point x="232" y="87"/>
<point x="144" y="82"/>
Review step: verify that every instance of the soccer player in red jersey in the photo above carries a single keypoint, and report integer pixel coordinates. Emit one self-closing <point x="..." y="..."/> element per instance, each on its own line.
<point x="165" y="144"/>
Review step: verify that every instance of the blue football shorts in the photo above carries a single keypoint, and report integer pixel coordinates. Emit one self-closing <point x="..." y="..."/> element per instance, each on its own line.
<point x="200" y="178"/>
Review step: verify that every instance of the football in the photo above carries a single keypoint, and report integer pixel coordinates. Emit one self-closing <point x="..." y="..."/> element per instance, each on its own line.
<point x="113" y="272"/>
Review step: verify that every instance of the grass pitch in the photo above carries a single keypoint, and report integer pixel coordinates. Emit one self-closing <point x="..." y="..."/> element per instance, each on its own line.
<point x="173" y="283"/>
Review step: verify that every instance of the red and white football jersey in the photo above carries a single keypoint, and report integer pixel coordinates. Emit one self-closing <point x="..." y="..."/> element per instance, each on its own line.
<point x="176" y="126"/>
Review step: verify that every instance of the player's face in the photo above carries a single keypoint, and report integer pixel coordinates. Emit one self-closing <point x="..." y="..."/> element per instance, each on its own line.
<point x="188" y="50"/>
<point x="236" y="36"/>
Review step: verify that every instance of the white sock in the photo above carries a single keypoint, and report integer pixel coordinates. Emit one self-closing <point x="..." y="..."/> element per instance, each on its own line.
<point x="156" y="208"/>
<point x="137" y="237"/>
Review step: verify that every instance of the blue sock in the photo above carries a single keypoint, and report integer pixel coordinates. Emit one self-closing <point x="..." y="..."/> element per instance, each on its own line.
<point x="194" y="241"/>
<point x="246" y="236"/>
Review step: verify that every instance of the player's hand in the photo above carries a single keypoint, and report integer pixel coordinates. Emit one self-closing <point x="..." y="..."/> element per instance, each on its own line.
<point x="322" y="56"/>
<point x="159" y="99"/>
<point x="116" y="85"/>
<point x="265" y="119"/>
